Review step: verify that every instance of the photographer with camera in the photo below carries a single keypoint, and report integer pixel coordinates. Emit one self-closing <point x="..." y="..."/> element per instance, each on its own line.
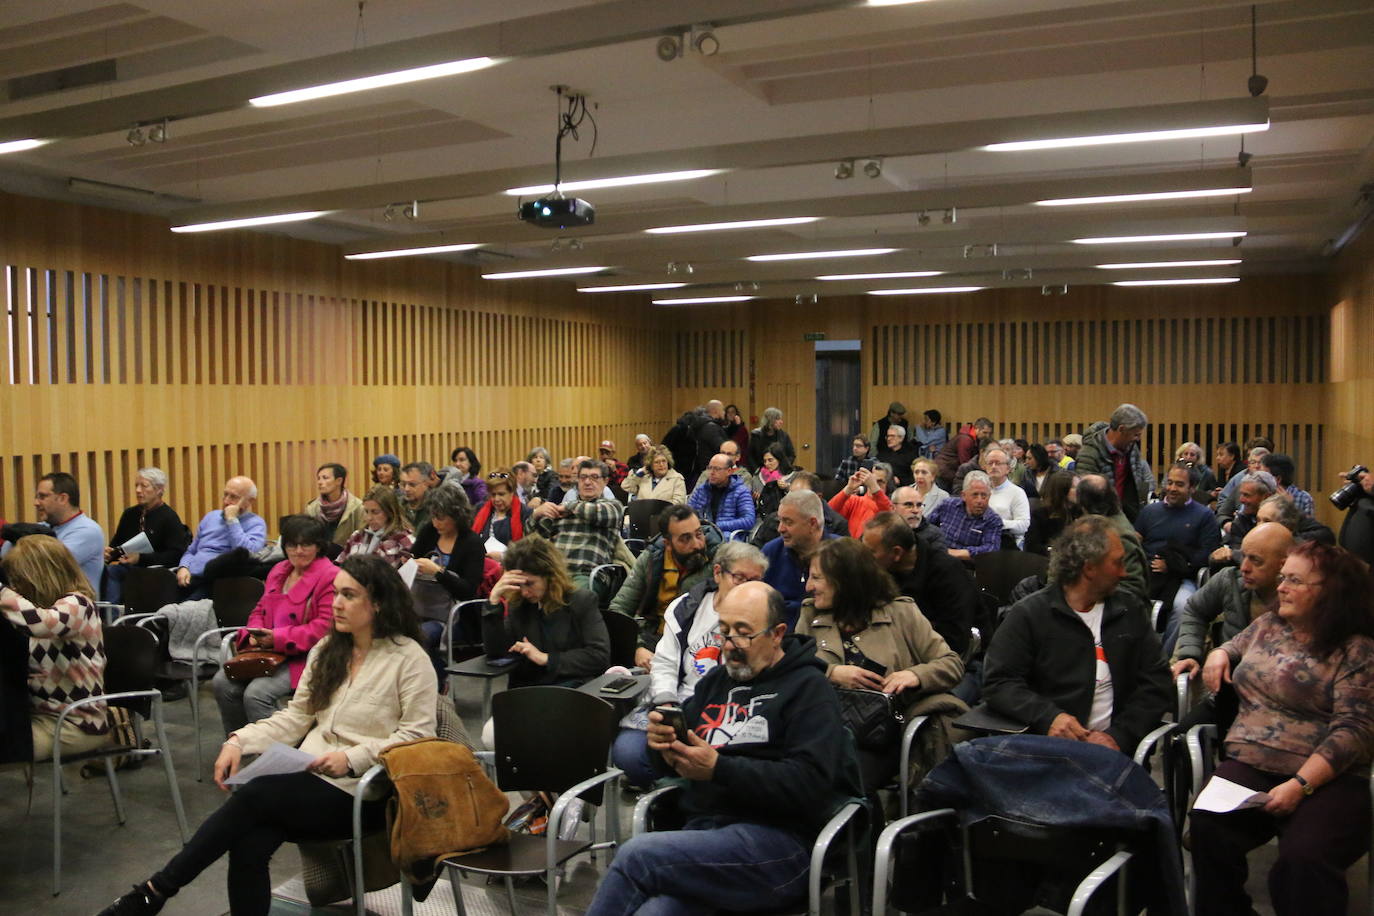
<point x="1356" y="499"/>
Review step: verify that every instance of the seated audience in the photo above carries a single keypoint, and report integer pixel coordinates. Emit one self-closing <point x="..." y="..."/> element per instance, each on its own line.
<point x="942" y="589"/>
<point x="386" y="471"/>
<point x="1179" y="535"/>
<point x="968" y="524"/>
<point x="657" y="479"/>
<point x="415" y="488"/>
<point x="1054" y="512"/>
<point x="338" y="510"/>
<point x="1073" y="442"/>
<point x="898" y="452"/>
<point x="960" y="450"/>
<point x="1077" y="659"/>
<point x="1255" y="487"/>
<point x="756" y="804"/>
<point x="544" y="474"/>
<point x="573" y="495"/>
<point x="1190" y="453"/>
<point x="51" y="601"/>
<point x="1227" y="464"/>
<point x="616" y="468"/>
<point x="801" y="520"/>
<point x="466" y="471"/>
<point x="366" y="687"/>
<point x="896" y="416"/>
<point x="294" y="613"/>
<point x="1006" y="498"/>
<point x="871" y="637"/>
<point x="772" y="496"/>
<point x="450" y="558"/>
<point x="522" y="473"/>
<point x="930" y="434"/>
<point x="564" y="482"/>
<point x="502" y="516"/>
<point x="644" y="446"/>
<point x="587" y="530"/>
<point x="1284" y="471"/>
<point x="724" y="499"/>
<point x="384" y="533"/>
<point x="908" y="507"/>
<point x="58" y="500"/>
<point x="1281" y="508"/>
<point x="230" y="527"/>
<point x="1092" y="494"/>
<point x="770" y="432"/>
<point x="775" y="465"/>
<point x="923" y="471"/>
<point x="731" y="450"/>
<point x="152" y="517"/>
<point x="673" y="561"/>
<point x="1039" y="469"/>
<point x="859" y="452"/>
<point x="1055" y="449"/>
<point x="1113" y="450"/>
<point x="1304" y="735"/>
<point x="1227" y="503"/>
<point x="1016" y="448"/>
<point x="736" y="430"/>
<point x="858" y="507"/>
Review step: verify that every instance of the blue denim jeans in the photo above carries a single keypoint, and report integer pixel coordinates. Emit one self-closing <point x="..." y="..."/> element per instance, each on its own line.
<point x="703" y="868"/>
<point x="1186" y="589"/>
<point x="631" y="754"/>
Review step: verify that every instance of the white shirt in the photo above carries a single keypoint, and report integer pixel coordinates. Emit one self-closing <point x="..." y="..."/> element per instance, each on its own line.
<point x="1100" y="719"/>
<point x="1012" y="505"/>
<point x="702" y="652"/>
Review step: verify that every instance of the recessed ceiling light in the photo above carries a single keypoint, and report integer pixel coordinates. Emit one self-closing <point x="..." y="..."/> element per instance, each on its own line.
<point x="381" y="80"/>
<point x="19" y="146"/>
<point x="1174" y="237"/>
<point x="1143" y="136"/>
<point x="1130" y="198"/>
<point x="548" y="272"/>
<point x="925" y="290"/>
<point x="623" y="181"/>
<point x="738" y="224"/>
<point x="252" y="221"/>
<point x="894" y="275"/>
<point x="1146" y="265"/>
<point x="807" y="255"/>
<point x="407" y="252"/>
<point x="704" y="300"/>
<point x="629" y="287"/>
<point x="1205" y="281"/>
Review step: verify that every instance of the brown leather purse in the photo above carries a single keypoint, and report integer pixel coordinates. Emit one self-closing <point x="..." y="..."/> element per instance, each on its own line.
<point x="252" y="664"/>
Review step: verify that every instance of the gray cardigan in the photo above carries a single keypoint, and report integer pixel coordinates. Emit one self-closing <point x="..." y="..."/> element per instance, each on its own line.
<point x="1223" y="596"/>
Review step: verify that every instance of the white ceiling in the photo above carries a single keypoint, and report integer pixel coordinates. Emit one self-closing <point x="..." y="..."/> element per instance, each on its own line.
<point x="850" y="79"/>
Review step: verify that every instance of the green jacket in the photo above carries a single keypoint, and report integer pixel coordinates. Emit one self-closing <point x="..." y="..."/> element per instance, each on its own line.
<point x="638" y="597"/>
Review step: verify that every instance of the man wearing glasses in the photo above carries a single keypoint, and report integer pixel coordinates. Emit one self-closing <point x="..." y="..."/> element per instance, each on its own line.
<point x="762" y="773"/>
<point x="587" y="530"/>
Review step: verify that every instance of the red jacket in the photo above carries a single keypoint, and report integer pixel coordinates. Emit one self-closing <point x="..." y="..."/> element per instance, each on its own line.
<point x="859" y="509"/>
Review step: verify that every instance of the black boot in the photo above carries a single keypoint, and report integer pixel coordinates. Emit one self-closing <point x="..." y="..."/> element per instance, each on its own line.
<point x="140" y="901"/>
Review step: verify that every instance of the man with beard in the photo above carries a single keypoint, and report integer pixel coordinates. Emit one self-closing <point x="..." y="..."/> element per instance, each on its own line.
<point x="763" y="765"/>
<point x="674" y="561"/>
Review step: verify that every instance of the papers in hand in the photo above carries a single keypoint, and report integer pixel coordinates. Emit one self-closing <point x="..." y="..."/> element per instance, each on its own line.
<point x="495" y="546"/>
<point x="139" y="543"/>
<point x="1223" y="795"/>
<point x="408" y="570"/>
<point x="277" y="759"/>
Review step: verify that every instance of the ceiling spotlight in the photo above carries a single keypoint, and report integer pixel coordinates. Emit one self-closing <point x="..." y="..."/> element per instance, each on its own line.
<point x="1060" y="290"/>
<point x="562" y="243"/>
<point x="1018" y="273"/>
<point x="812" y="299"/>
<point x="704" y="40"/>
<point x="845" y="169"/>
<point x="157" y="133"/>
<point x="873" y="168"/>
<point x="411" y="211"/>
<point x="923" y="218"/>
<point x="951" y="216"/>
<point x="1243" y="158"/>
<point x="135" y="136"/>
<point x="1257" y="83"/>
<point x="680" y="269"/>
<point x="989" y="251"/>
<point x="669" y="48"/>
<point x="746" y="287"/>
<point x="389" y="213"/>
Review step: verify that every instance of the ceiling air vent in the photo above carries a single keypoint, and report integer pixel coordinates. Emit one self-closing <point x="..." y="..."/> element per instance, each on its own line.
<point x="24" y="87"/>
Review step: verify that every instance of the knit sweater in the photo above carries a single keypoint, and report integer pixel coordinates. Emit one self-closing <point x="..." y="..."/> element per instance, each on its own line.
<point x="66" y="656"/>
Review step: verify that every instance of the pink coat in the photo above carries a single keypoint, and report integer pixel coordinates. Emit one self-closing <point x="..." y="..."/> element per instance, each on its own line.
<point x="297" y="619"/>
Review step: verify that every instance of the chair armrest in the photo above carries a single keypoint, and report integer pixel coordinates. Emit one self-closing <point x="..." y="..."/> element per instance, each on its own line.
<point x="1181" y="686"/>
<point x="904" y="761"/>
<point x="1155" y="608"/>
<point x="225" y="632"/>
<point x="154" y="695"/>
<point x="126" y="619"/>
<point x="1147" y="744"/>
<point x="374" y="785"/>
<point x="640" y="820"/>
<point x="882" y="864"/>
<point x="566" y="797"/>
<point x="453" y="613"/>
<point x="1089" y="885"/>
<point x="1194" y="742"/>
<point x="105" y="607"/>
<point x="821" y="848"/>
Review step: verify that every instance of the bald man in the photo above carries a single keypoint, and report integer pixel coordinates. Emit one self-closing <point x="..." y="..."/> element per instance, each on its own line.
<point x="232" y="525"/>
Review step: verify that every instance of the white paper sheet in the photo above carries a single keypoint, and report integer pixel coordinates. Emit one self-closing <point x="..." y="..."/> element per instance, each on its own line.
<point x="495" y="546"/>
<point x="408" y="570"/>
<point x="277" y="759"/>
<point x="1223" y="795"/>
<point x="139" y="543"/>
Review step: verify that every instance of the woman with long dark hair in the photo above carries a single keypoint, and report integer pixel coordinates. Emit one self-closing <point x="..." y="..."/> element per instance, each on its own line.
<point x="465" y="471"/>
<point x="367" y="685"/>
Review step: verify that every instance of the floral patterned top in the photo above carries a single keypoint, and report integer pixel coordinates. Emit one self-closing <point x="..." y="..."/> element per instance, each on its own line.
<point x="1293" y="704"/>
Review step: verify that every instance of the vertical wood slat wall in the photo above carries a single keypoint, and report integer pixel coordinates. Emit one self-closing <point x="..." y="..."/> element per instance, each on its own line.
<point x="123" y="345"/>
<point x="1352" y="371"/>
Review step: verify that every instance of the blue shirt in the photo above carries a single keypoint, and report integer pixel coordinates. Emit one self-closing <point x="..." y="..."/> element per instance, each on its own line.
<point x="788" y="574"/>
<point x="974" y="533"/>
<point x="86" y="541"/>
<point x="215" y="536"/>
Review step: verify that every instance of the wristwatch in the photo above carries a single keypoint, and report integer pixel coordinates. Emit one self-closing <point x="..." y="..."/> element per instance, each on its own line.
<point x="1307" y="787"/>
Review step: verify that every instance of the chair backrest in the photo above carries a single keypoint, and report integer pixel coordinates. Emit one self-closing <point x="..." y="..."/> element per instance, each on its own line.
<point x="132" y="660"/>
<point x="999" y="571"/>
<point x="642" y="514"/>
<point x="606" y="581"/>
<point x="624" y="634"/>
<point x="235" y="599"/>
<point x="147" y="588"/>
<point x="551" y="738"/>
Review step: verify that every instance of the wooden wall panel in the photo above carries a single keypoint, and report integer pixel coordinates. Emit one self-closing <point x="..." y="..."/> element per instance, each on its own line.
<point x="1351" y="297"/>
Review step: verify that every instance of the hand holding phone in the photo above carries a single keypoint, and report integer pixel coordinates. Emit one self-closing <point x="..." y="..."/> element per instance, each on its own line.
<point x="673" y="717"/>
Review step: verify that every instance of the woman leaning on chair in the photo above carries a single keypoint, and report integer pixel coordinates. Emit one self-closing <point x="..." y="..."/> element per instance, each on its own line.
<point x="861" y="626"/>
<point x="367" y="685"/>
<point x="291" y="617"/>
<point x="50" y="599"/>
<point x="1304" y="675"/>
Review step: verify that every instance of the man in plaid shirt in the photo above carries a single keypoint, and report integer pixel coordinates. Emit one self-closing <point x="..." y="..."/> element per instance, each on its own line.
<point x="969" y="525"/>
<point x="586" y="530"/>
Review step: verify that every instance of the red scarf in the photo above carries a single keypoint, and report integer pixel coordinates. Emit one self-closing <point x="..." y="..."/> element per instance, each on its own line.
<point x="517" y="528"/>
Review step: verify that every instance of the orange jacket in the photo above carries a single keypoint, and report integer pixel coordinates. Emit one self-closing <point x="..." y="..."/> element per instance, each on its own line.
<point x="859" y="509"/>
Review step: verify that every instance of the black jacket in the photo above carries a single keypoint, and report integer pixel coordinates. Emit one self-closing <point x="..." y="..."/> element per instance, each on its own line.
<point x="464" y="572"/>
<point x="574" y="636"/>
<point x="1041" y="663"/>
<point x="165" y="531"/>
<point x="759" y="443"/>
<point x="1357" y="530"/>
<point x="780" y="740"/>
<point x="901" y="461"/>
<point x="709" y="436"/>
<point x="945" y="593"/>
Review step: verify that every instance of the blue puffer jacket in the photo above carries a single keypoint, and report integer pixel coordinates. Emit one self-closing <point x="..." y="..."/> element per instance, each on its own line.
<point x="736" y="509"/>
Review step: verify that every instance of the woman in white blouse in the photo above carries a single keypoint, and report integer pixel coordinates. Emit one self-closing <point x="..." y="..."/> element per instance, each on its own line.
<point x="367" y="685"/>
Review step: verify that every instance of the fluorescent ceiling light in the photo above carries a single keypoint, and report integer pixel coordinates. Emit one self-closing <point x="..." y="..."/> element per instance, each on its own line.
<point x="1146" y="265"/>
<point x="738" y="224"/>
<point x="1174" y="237"/>
<point x="1129" y="198"/>
<point x="553" y="272"/>
<point x="897" y="275"/>
<point x="704" y="300"/>
<point x="621" y="182"/>
<point x="1206" y="281"/>
<point x="629" y="287"/>
<point x="893" y="2"/>
<point x="807" y="255"/>
<point x="252" y="221"/>
<point x="379" y="81"/>
<point x="407" y="252"/>
<point x="925" y="290"/>
<point x="1143" y="136"/>
<point x="19" y="146"/>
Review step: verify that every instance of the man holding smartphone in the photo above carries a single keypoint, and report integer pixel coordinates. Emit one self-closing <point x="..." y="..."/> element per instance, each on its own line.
<point x="763" y="774"/>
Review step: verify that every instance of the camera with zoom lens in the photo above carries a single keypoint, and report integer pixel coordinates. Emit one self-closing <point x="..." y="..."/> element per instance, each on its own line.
<point x="1345" y="497"/>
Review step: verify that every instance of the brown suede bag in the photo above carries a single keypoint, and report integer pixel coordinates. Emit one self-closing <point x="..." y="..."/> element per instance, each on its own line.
<point x="444" y="806"/>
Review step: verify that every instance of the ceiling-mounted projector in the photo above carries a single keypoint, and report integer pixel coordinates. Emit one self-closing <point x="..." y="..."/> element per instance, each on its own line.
<point x="558" y="212"/>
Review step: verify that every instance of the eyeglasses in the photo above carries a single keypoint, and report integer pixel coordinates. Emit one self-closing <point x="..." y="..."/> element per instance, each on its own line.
<point x="1295" y="582"/>
<point x="738" y="640"/>
<point x="741" y="578"/>
<point x="498" y="475"/>
<point x="590" y="478"/>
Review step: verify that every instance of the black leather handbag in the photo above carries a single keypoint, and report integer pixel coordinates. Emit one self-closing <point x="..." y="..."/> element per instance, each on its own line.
<point x="872" y="717"/>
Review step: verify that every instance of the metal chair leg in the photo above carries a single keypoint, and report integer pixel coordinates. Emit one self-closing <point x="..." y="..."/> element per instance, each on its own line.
<point x="115" y="794"/>
<point x="455" y="880"/>
<point x="195" y="723"/>
<point x="165" y="752"/>
<point x="56" y="816"/>
<point x="510" y="895"/>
